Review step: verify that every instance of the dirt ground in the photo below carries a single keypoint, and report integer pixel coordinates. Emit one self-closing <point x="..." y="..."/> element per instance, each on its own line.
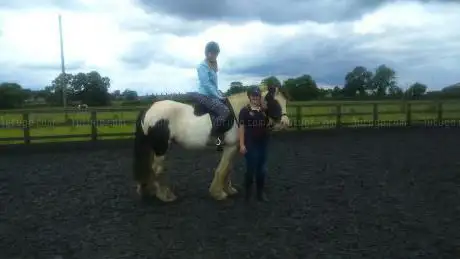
<point x="363" y="194"/>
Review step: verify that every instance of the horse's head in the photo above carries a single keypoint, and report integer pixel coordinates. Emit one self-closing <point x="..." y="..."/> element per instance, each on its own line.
<point x="275" y="102"/>
<point x="275" y="105"/>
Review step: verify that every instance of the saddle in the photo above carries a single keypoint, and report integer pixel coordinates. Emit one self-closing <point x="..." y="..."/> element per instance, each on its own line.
<point x="200" y="110"/>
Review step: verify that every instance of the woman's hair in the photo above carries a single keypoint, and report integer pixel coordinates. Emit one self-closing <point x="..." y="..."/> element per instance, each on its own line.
<point x="213" y="64"/>
<point x="212" y="46"/>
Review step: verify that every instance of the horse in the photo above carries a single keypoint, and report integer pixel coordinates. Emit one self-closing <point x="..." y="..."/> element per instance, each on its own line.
<point x="188" y="124"/>
<point x="82" y="106"/>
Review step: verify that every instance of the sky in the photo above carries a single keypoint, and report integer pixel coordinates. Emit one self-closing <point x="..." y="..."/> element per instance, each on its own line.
<point x="154" y="46"/>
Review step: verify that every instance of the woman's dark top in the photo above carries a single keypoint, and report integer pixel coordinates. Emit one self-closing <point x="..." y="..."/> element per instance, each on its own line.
<point x="255" y="125"/>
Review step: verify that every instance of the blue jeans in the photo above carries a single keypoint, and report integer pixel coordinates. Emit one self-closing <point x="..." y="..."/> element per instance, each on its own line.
<point x="218" y="107"/>
<point x="256" y="159"/>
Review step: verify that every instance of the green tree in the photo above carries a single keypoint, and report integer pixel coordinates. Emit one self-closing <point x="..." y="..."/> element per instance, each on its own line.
<point x="38" y="94"/>
<point x="357" y="82"/>
<point x="416" y="90"/>
<point x="302" y="88"/>
<point x="383" y="80"/>
<point x="12" y="95"/>
<point x="452" y="91"/>
<point x="336" y="92"/>
<point x="89" y="88"/>
<point x="78" y="84"/>
<point x="271" y="80"/>
<point x="396" y="91"/>
<point x="96" y="90"/>
<point x="28" y="94"/>
<point x="54" y="92"/>
<point x="116" y="95"/>
<point x="129" y="95"/>
<point x="324" y="93"/>
<point x="235" y="87"/>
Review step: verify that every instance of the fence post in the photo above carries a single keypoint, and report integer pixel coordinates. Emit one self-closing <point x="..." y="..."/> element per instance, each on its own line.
<point x="408" y="114"/>
<point x="26" y="127"/>
<point x="375" y="114"/>
<point x="93" y="126"/>
<point x="439" y="110"/>
<point x="298" y="110"/>
<point x="338" y="122"/>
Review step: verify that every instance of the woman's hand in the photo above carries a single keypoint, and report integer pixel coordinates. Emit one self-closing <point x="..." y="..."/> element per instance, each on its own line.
<point x="263" y="105"/>
<point x="243" y="149"/>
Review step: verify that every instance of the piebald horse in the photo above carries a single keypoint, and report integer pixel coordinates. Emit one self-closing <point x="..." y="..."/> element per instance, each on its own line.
<point x="169" y="121"/>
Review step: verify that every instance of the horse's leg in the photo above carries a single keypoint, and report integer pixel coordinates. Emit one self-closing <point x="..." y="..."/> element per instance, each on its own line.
<point x="143" y="173"/>
<point x="228" y="188"/>
<point x="145" y="187"/>
<point x="162" y="190"/>
<point x="217" y="189"/>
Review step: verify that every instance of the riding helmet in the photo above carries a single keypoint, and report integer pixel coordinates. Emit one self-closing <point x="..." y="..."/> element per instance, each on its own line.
<point x="254" y="91"/>
<point x="213" y="47"/>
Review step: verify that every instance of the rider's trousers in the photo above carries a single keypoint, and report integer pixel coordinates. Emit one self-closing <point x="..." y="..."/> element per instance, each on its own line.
<point x="256" y="159"/>
<point x="217" y="106"/>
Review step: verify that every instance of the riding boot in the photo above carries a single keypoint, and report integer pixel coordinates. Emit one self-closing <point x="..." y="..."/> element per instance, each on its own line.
<point x="248" y="186"/>
<point x="260" y="189"/>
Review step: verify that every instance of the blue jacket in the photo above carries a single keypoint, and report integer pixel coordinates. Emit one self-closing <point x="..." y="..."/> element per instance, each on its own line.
<point x="207" y="81"/>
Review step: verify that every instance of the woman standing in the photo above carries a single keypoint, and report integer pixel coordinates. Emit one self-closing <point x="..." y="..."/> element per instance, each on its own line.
<point x="253" y="135"/>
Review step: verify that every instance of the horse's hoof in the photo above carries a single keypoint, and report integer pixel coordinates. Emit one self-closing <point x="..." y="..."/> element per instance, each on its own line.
<point x="231" y="191"/>
<point x="166" y="196"/>
<point x="220" y="196"/>
<point x="167" y="199"/>
<point x="171" y="197"/>
<point x="144" y="192"/>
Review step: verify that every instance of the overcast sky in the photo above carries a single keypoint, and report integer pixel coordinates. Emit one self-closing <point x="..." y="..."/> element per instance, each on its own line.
<point x="155" y="45"/>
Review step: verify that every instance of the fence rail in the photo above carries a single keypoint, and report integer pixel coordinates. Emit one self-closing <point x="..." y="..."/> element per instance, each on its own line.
<point x="435" y="108"/>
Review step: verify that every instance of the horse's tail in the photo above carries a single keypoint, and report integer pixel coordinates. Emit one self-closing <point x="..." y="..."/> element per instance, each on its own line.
<point x="142" y="152"/>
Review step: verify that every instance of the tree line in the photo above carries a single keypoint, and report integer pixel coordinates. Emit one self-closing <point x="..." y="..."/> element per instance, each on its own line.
<point x="93" y="89"/>
<point x="359" y="84"/>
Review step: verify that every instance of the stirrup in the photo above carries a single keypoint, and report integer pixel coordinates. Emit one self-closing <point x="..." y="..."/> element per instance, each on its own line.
<point x="218" y="141"/>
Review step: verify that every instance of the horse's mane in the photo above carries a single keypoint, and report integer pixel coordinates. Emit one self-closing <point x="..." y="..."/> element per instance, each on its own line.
<point x="264" y="88"/>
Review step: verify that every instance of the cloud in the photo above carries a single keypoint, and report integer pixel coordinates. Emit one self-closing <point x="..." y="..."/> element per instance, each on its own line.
<point x="73" y="66"/>
<point x="26" y="4"/>
<point x="161" y="24"/>
<point x="273" y="11"/>
<point x="156" y="48"/>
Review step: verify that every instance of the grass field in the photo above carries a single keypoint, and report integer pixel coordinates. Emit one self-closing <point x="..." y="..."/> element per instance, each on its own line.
<point x="362" y="112"/>
<point x="314" y="114"/>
